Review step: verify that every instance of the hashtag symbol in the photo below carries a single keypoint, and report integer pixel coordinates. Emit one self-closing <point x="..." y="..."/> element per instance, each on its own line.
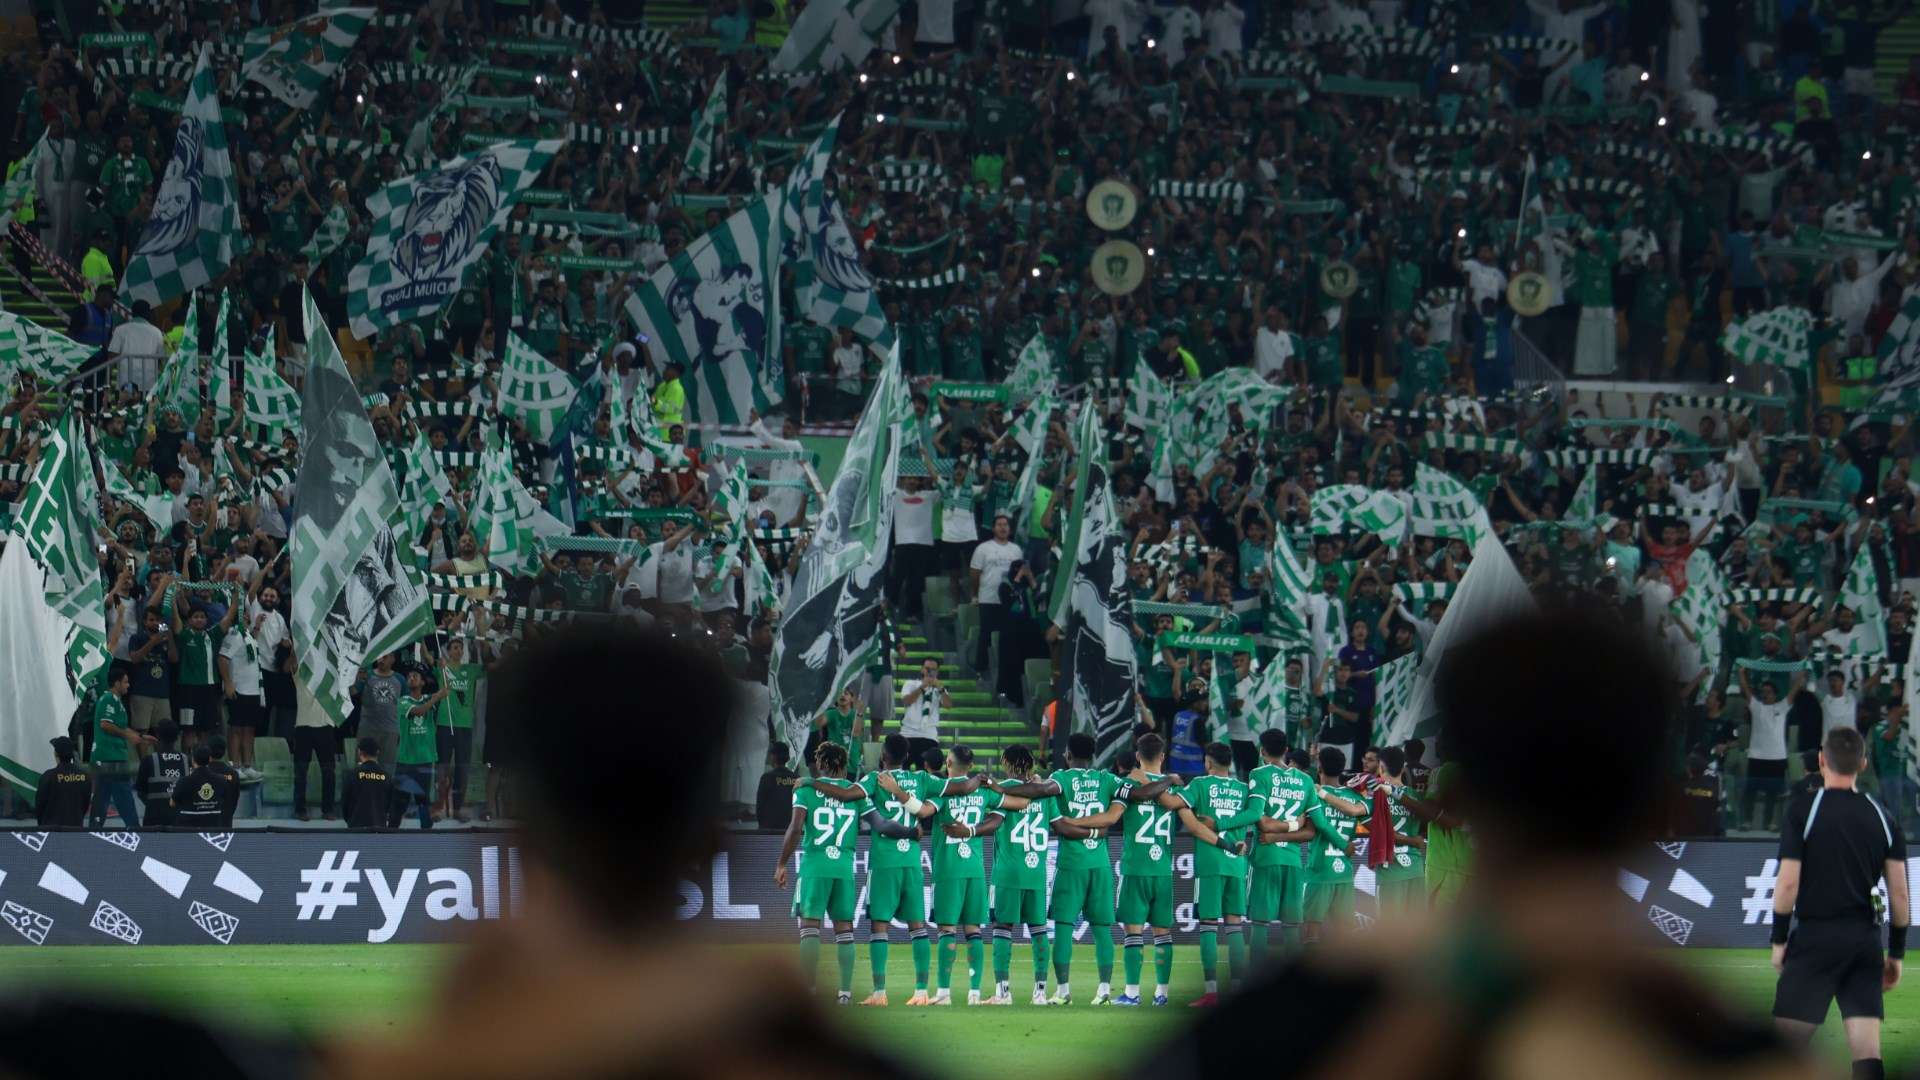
<point x="1757" y="905"/>
<point x="326" y="887"/>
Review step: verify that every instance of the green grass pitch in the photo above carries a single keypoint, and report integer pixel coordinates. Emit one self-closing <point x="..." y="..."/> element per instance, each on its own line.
<point x="373" y="987"/>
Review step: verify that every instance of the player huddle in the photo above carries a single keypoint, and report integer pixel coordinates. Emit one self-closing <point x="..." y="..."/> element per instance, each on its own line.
<point x="1274" y="860"/>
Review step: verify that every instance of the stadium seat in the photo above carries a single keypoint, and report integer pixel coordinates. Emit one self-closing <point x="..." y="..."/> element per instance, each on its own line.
<point x="1038" y="681"/>
<point x="275" y="760"/>
<point x="939" y="613"/>
<point x="966" y="630"/>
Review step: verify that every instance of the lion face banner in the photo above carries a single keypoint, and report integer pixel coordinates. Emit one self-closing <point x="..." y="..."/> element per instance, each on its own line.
<point x="189" y="239"/>
<point x="714" y="310"/>
<point x="429" y="227"/>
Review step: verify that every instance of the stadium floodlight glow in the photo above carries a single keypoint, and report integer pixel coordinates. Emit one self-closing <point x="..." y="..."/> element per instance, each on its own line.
<point x="1149" y="252"/>
<point x="619" y="106"/>
<point x="359" y="99"/>
<point x="879" y="118"/>
<point x="1866" y="155"/>
<point x="1463" y="234"/>
<point x="863" y="78"/>
<point x="896" y="58"/>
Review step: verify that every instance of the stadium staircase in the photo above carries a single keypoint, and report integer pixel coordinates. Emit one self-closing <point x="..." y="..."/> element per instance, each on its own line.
<point x="1898" y="43"/>
<point x="41" y="297"/>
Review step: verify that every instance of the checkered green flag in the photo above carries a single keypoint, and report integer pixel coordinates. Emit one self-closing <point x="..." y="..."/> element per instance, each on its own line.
<point x="327" y="236"/>
<point x="1861" y="594"/>
<point x="1900" y="358"/>
<point x="731" y="499"/>
<point x="715" y="311"/>
<point x="294" y="62"/>
<point x="1288" y="586"/>
<point x="56" y="523"/>
<point x="761" y="592"/>
<point x="1032" y="374"/>
<point x="832" y="34"/>
<point x="28" y="346"/>
<point x="19" y="185"/>
<point x="189" y="238"/>
<point x="1149" y="399"/>
<point x="1030" y="427"/>
<point x="429" y="227"/>
<point x="355" y="596"/>
<point x="830" y="284"/>
<point x="1584" y="507"/>
<point x="1777" y="336"/>
<point x="533" y="391"/>
<point x="424" y="485"/>
<point x="269" y="401"/>
<point x="1444" y="507"/>
<point x="706" y="130"/>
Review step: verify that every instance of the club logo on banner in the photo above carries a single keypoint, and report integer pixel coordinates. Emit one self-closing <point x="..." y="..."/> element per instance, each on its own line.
<point x="176" y="207"/>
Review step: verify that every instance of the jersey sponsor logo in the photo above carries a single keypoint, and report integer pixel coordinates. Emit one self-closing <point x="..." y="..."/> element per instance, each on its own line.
<point x="965" y="849"/>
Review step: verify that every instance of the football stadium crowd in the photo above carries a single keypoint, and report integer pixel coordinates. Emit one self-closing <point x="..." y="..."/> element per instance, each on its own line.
<point x="1322" y="270"/>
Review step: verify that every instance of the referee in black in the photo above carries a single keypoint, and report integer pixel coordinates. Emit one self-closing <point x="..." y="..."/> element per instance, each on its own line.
<point x="1836" y="843"/>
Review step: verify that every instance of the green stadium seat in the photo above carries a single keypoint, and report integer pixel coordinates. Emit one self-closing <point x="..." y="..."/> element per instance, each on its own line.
<point x="1038" y="681"/>
<point x="274" y="759"/>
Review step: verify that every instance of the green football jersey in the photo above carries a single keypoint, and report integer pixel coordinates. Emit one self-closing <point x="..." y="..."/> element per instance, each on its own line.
<point x="418" y="745"/>
<point x="1084" y="793"/>
<point x="456" y="709"/>
<point x="1220" y="798"/>
<point x="1283" y="792"/>
<point x="884" y="853"/>
<point x="827" y="834"/>
<point x="1407" y="861"/>
<point x="1020" y="847"/>
<point x="1331" y="863"/>
<point x="959" y="857"/>
<point x="197" y="650"/>
<point x="1146" y="844"/>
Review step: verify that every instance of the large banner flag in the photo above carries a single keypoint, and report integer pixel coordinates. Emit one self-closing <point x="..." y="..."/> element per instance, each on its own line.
<point x="56" y="521"/>
<point x="294" y="61"/>
<point x="188" y="240"/>
<point x="1777" y="336"/>
<point x="354" y="596"/>
<point x="1394" y="682"/>
<point x="178" y="385"/>
<point x="1092" y="606"/>
<point x="1033" y="373"/>
<point x="269" y="401"/>
<point x="1288" y="585"/>
<point x="28" y="346"/>
<point x="533" y="391"/>
<point x="715" y="311"/>
<point x="1860" y="594"/>
<point x="33" y="668"/>
<point x="706" y="130"/>
<point x="501" y="526"/>
<point x="1442" y="506"/>
<point x="1491" y="590"/>
<point x="1089" y="449"/>
<point x="830" y="625"/>
<point x="220" y="365"/>
<point x="431" y="226"/>
<point x="832" y="34"/>
<point x="1701" y="610"/>
<point x="1149" y="399"/>
<point x="830" y="284"/>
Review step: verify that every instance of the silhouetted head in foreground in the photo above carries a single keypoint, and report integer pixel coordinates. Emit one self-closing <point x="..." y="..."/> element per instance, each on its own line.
<point x="1551" y="724"/>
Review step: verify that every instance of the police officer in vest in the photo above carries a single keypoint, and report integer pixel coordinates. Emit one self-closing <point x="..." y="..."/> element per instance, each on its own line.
<point x="65" y="791"/>
<point x="200" y="799"/>
<point x="1836" y="844"/>
<point x="364" y="801"/>
<point x="160" y="772"/>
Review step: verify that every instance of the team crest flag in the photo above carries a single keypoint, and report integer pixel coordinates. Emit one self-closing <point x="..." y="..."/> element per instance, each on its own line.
<point x="1095" y="611"/>
<point x="830" y="625"/>
<point x="830" y="283"/>
<point x="1032" y="375"/>
<point x="431" y="226"/>
<point x="715" y="311"/>
<point x="295" y="61"/>
<point x="354" y="595"/>
<point x="1899" y="356"/>
<point x="533" y="391"/>
<point x="1861" y="595"/>
<point x="1149" y="399"/>
<point x="706" y="130"/>
<point x="188" y="240"/>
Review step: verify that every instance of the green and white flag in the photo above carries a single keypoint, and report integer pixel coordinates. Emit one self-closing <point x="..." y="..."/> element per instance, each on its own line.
<point x="1028" y="484"/>
<point x="270" y="402"/>
<point x="1393" y="722"/>
<point x="1288" y="585"/>
<point x="295" y="61"/>
<point x="502" y="524"/>
<point x="28" y="346"/>
<point x="1149" y="400"/>
<point x="1899" y="370"/>
<point x="1337" y="506"/>
<point x="220" y="365"/>
<point x="1030" y="428"/>
<point x="1093" y="611"/>
<point x="533" y="391"/>
<point x="831" y="285"/>
<point x="715" y="311"/>
<point x="706" y="131"/>
<point x="1777" y="336"/>
<point x="731" y="500"/>
<point x="830" y="626"/>
<point x="424" y="485"/>
<point x="56" y="523"/>
<point x="19" y="186"/>
<point x="188" y="241"/>
<point x="1442" y="506"/>
<point x="1701" y="611"/>
<point x="431" y="226"/>
<point x="834" y="34"/>
<point x="1861" y="595"/>
<point x="1089" y="451"/>
<point x="33" y="668"/>
<point x="327" y="236"/>
<point x="762" y="594"/>
<point x="1033" y="374"/>
<point x="1584" y="507"/>
<point x="355" y="596"/>
<point x="178" y="385"/>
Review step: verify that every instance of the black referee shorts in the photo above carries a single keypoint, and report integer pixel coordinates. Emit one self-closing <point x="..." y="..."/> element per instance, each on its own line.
<point x="1827" y="962"/>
